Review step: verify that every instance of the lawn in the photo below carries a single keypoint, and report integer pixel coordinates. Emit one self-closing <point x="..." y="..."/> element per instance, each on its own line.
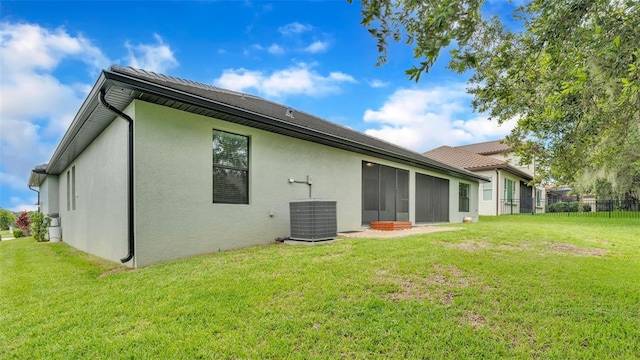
<point x="508" y="287"/>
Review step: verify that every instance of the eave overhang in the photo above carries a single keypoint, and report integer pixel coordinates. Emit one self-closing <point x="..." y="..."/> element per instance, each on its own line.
<point x="121" y="89"/>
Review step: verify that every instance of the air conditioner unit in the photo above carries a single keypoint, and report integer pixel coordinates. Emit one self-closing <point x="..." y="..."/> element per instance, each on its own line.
<point x="313" y="219"/>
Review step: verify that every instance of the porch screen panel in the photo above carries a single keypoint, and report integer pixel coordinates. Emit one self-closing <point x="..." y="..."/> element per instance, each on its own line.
<point x="387" y="193"/>
<point x="370" y="192"/>
<point x="441" y="200"/>
<point x="432" y="199"/>
<point x="402" y="202"/>
<point x="526" y="198"/>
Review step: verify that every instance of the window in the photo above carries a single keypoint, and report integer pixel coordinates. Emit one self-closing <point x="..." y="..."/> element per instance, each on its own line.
<point x="487" y="190"/>
<point x="463" y="193"/>
<point x="509" y="190"/>
<point x="538" y="197"/>
<point x="230" y="168"/>
<point x="71" y="189"/>
<point x="68" y="190"/>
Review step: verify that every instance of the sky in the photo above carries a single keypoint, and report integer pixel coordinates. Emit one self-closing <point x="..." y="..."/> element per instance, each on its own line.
<point x="313" y="56"/>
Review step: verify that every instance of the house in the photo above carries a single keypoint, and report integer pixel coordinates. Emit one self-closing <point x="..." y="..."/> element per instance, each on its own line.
<point x="508" y="191"/>
<point x="155" y="168"/>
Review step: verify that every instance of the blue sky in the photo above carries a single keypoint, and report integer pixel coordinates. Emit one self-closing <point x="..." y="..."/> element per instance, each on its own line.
<point x="313" y="56"/>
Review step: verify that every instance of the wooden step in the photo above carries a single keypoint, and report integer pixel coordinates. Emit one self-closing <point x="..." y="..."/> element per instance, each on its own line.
<point x="390" y="225"/>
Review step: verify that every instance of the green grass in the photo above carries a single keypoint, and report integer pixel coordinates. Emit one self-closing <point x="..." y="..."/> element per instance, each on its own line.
<point x="508" y="287"/>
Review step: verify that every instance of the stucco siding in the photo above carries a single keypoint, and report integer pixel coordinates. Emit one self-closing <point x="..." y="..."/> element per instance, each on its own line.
<point x="175" y="215"/>
<point x="98" y="224"/>
<point x="456" y="216"/>
<point x="49" y="195"/>
<point x="488" y="206"/>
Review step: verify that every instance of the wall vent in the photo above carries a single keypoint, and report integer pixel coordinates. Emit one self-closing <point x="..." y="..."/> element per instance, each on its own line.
<point x="313" y="219"/>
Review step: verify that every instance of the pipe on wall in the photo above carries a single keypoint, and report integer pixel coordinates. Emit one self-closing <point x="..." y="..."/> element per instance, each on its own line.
<point x="131" y="240"/>
<point x="38" y="192"/>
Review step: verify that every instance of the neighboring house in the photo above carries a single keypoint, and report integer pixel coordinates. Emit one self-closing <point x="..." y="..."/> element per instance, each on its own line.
<point x="560" y="194"/>
<point x="507" y="191"/>
<point x="196" y="169"/>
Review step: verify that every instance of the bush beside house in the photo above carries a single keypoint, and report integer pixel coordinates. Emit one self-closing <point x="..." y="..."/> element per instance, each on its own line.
<point x="24" y="223"/>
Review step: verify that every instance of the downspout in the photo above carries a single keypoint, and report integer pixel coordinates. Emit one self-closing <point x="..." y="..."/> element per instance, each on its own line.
<point x="38" y="192"/>
<point x="131" y="240"/>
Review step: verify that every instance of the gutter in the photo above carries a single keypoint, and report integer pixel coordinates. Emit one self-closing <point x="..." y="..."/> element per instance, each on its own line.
<point x="39" y="171"/>
<point x="38" y="192"/>
<point x="131" y="240"/>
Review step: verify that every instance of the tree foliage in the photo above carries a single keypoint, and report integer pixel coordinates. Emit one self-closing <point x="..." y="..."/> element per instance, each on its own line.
<point x="39" y="225"/>
<point x="23" y="222"/>
<point x="6" y="218"/>
<point x="568" y="71"/>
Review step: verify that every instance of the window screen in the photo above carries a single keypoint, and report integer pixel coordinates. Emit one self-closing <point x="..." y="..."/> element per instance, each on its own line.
<point x="463" y="191"/>
<point x="487" y="190"/>
<point x="509" y="189"/>
<point x="230" y="168"/>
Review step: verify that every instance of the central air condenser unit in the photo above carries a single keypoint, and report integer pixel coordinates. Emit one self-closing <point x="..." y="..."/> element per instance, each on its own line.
<point x="313" y="220"/>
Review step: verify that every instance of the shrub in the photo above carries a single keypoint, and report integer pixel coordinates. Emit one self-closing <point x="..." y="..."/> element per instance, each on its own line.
<point x="559" y="207"/>
<point x="586" y="207"/>
<point x="18" y="233"/>
<point x="39" y="225"/>
<point x="574" y="206"/>
<point x="23" y="222"/>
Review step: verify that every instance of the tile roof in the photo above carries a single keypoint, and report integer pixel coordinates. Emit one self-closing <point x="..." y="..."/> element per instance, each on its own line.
<point x="463" y="159"/>
<point x="470" y="161"/>
<point x="487" y="147"/>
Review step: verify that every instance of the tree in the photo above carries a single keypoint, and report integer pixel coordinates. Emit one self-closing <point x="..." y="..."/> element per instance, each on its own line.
<point x="568" y="71"/>
<point x="23" y="222"/>
<point x="6" y="218"/>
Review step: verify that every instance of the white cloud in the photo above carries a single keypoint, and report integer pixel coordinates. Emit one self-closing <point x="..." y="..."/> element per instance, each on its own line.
<point x="275" y="49"/>
<point x="375" y="83"/>
<point x="35" y="107"/>
<point x="317" y="47"/>
<point x="423" y="119"/>
<point x="17" y="204"/>
<point x="294" y="28"/>
<point x="299" y="79"/>
<point x="152" y="57"/>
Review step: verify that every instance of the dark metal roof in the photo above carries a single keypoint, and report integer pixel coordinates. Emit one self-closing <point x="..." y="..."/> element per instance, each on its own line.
<point x="124" y="84"/>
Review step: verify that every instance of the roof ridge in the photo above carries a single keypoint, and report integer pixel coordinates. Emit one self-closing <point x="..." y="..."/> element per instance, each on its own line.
<point x="178" y="80"/>
<point x="501" y="141"/>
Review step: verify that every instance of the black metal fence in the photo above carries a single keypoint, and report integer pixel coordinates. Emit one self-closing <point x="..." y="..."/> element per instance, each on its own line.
<point x="585" y="207"/>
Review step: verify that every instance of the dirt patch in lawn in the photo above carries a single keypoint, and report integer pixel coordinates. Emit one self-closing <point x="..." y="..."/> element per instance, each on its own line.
<point x="382" y="234"/>
<point x="475" y="320"/>
<point x="468" y="246"/>
<point x="561" y="248"/>
<point x="439" y="286"/>
<point x="557" y="248"/>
